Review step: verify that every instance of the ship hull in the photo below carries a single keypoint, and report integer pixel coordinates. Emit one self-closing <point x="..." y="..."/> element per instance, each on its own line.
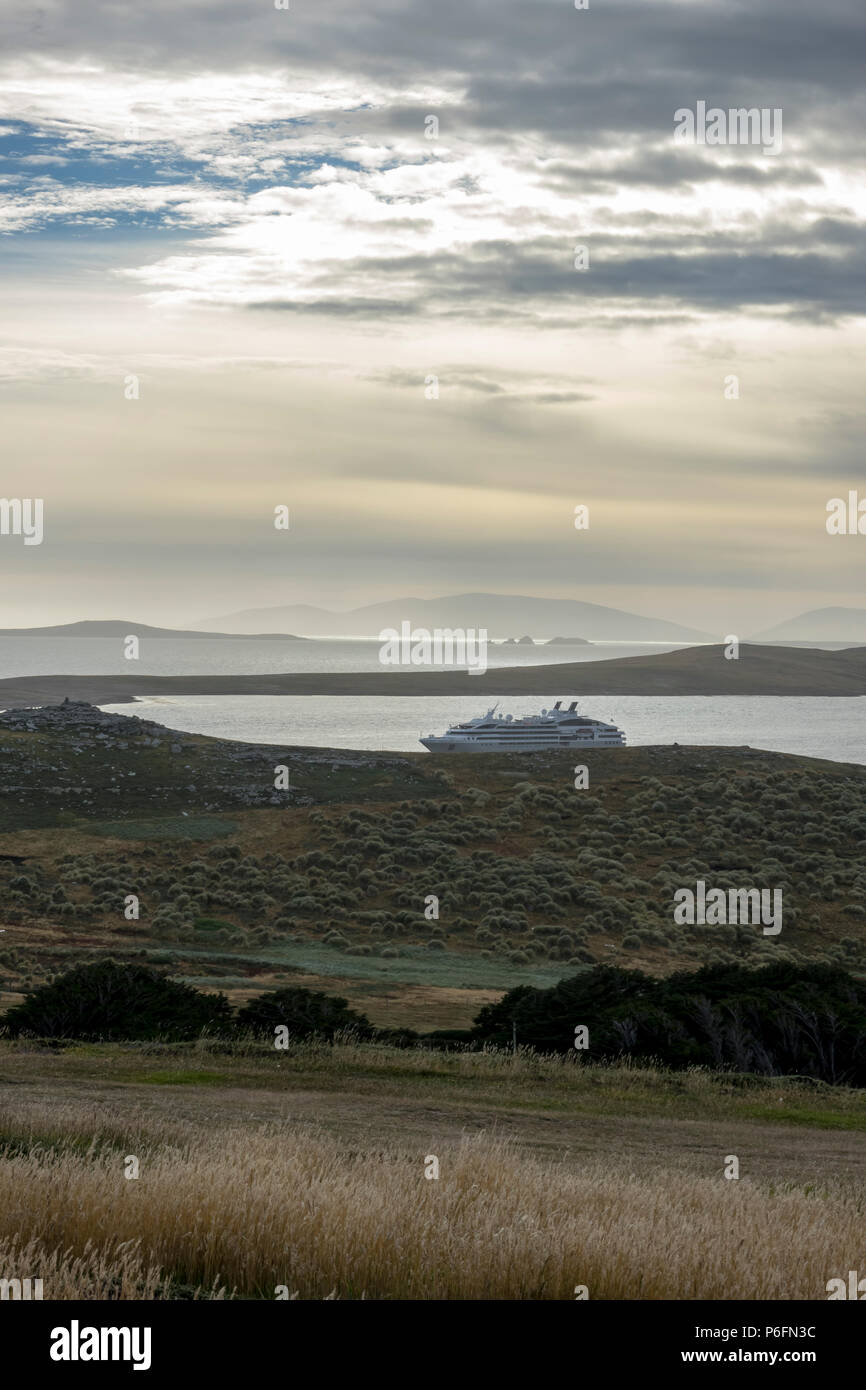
<point x="477" y="745"/>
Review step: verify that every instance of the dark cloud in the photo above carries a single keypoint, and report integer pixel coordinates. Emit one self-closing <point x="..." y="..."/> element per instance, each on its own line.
<point x="522" y="389"/>
<point x="675" y="168"/>
<point x="527" y="66"/>
<point x="691" y="272"/>
<point x="339" y="307"/>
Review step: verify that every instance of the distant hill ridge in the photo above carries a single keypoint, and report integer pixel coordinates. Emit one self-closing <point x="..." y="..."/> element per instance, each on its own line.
<point x="819" y="625"/>
<point x="551" y="620"/>
<point x="502" y="615"/>
<point x="116" y="627"/>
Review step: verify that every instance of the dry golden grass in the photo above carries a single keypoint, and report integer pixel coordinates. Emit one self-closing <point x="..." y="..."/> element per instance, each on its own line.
<point x="252" y="1209"/>
<point x="114" y="1271"/>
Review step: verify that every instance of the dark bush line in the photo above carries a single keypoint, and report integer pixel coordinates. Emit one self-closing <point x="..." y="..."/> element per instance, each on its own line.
<point x="111" y="1002"/>
<point x="779" y="1020"/>
<point x="784" y="1019"/>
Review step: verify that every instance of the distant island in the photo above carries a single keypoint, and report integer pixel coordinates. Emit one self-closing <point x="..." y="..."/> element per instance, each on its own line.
<point x="760" y="670"/>
<point x="116" y="627"/>
<point x="500" y="614"/>
<point x="548" y="642"/>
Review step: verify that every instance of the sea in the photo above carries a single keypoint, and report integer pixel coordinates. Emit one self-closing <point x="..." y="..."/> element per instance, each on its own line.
<point x="834" y="729"/>
<point x="204" y="656"/>
<point x="817" y="728"/>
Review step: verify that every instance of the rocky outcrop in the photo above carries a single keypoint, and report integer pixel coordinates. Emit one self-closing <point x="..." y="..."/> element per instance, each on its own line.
<point x="91" y="726"/>
<point x="77" y="757"/>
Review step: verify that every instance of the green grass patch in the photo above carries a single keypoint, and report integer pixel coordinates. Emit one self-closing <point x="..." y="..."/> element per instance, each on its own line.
<point x="414" y="966"/>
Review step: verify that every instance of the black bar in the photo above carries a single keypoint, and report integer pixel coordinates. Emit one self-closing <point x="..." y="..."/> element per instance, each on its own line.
<point x="599" y="1341"/>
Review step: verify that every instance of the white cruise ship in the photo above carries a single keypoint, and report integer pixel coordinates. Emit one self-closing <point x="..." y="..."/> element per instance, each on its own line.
<point x="551" y="729"/>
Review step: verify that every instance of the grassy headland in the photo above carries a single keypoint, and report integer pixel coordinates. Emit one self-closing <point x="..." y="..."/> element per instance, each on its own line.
<point x="759" y="670"/>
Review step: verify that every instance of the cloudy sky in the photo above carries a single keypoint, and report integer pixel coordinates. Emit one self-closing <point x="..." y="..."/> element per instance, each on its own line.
<point x="247" y="217"/>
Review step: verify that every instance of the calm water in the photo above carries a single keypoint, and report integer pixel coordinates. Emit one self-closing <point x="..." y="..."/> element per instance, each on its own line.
<point x="172" y="656"/>
<point x="818" y="728"/>
<point x="198" y="656"/>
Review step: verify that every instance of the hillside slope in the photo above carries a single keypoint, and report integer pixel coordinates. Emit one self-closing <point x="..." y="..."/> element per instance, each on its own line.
<point x="326" y="885"/>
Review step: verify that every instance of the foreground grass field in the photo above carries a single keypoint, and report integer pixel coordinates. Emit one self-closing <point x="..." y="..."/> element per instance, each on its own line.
<point x="306" y="1170"/>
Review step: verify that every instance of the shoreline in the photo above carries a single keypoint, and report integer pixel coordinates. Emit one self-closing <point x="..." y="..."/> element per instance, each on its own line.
<point x="759" y="670"/>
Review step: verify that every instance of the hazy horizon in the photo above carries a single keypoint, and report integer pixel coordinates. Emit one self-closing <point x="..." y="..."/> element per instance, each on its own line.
<point x="209" y="625"/>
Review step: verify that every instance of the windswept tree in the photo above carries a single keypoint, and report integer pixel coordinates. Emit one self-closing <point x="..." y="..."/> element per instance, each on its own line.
<point x="304" y="1012"/>
<point x="108" y="1001"/>
<point x="780" y="1019"/>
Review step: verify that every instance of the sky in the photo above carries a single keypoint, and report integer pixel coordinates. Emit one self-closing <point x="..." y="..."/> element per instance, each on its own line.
<point x="329" y="258"/>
